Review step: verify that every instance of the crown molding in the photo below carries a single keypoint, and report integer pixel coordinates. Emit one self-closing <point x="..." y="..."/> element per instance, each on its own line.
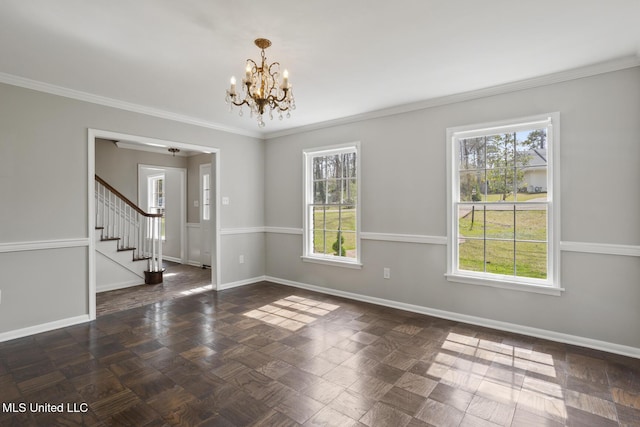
<point x="559" y="77"/>
<point x="562" y="76"/>
<point x="121" y="105"/>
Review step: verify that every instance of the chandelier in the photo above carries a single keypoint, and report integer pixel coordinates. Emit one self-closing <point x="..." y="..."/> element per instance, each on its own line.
<point x="262" y="88"/>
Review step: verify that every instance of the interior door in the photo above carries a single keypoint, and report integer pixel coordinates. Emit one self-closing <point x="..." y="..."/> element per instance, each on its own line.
<point x="206" y="213"/>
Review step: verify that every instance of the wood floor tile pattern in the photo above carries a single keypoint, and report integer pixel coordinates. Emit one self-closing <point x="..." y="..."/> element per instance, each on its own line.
<point x="270" y="355"/>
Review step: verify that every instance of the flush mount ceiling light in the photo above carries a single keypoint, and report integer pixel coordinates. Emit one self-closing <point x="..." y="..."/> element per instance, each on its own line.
<point x="263" y="87"/>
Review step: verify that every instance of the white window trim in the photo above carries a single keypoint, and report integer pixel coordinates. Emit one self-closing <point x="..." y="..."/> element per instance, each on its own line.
<point x="549" y="286"/>
<point x="307" y="197"/>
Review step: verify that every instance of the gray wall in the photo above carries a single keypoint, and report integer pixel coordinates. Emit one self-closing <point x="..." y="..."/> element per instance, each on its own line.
<point x="404" y="192"/>
<point x="43" y="185"/>
<point x="193" y="183"/>
<point x="119" y="166"/>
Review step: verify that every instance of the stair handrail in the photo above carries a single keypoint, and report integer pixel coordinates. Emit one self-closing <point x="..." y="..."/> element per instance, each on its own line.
<point x="127" y="201"/>
<point x="121" y="226"/>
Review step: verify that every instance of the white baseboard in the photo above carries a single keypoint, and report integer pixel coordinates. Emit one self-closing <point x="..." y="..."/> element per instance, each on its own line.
<point x="44" y="327"/>
<point x="122" y="285"/>
<point x="479" y="321"/>
<point x="239" y="283"/>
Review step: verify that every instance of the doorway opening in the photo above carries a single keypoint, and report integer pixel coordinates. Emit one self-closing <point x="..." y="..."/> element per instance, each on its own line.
<point x="191" y="247"/>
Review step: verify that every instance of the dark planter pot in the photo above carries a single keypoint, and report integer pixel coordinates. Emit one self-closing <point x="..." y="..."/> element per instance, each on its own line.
<point x="153" y="277"/>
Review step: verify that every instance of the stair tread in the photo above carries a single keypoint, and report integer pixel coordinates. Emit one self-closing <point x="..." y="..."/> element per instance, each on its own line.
<point x="105" y="239"/>
<point x="126" y="249"/>
<point x="99" y="228"/>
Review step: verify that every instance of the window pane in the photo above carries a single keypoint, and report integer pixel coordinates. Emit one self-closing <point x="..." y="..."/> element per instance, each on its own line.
<point x="472" y="186"/>
<point x="537" y="139"/>
<point x="533" y="182"/>
<point x="472" y="153"/>
<point x="500" y="182"/>
<point x="332" y="217"/>
<point x="471" y="221"/>
<point x="319" y="244"/>
<point x="471" y="255"/>
<point x="524" y="149"/>
<point x="334" y="166"/>
<point x="318" y="217"/>
<point x="500" y="151"/>
<point x="334" y="191"/>
<point x="348" y="218"/>
<point x="319" y="191"/>
<point x="349" y="162"/>
<point x="319" y="168"/>
<point x="349" y="244"/>
<point x="531" y="222"/>
<point x="499" y="257"/>
<point x="350" y="191"/>
<point x="499" y="222"/>
<point x="531" y="260"/>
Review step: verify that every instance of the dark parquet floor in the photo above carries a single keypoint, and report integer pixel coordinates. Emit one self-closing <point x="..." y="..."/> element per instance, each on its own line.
<point x="271" y="355"/>
<point x="179" y="281"/>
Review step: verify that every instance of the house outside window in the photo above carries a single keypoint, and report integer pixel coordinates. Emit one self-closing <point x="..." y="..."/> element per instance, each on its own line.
<point x="332" y="208"/>
<point x="503" y="207"/>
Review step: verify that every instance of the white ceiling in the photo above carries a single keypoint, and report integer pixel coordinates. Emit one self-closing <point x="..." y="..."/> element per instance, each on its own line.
<point x="344" y="57"/>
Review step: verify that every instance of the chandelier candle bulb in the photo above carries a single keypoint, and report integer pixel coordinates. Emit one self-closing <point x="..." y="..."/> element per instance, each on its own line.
<point x="285" y="80"/>
<point x="232" y="91"/>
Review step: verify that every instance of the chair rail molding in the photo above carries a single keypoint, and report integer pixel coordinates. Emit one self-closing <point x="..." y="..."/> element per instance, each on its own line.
<point x="43" y="245"/>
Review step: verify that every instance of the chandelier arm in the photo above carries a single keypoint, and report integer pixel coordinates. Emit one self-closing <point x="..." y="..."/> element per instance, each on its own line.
<point x="275" y="102"/>
<point x="244" y="102"/>
<point x="274" y="73"/>
<point x="254" y="67"/>
<point x="284" y="96"/>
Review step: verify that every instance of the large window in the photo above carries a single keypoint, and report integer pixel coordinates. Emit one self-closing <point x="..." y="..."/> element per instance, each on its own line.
<point x="331" y="222"/>
<point x="503" y="216"/>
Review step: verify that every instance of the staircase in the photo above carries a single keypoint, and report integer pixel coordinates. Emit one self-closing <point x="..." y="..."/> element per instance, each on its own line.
<point x="128" y="243"/>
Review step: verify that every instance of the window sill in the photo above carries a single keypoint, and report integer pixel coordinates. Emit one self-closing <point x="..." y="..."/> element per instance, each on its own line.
<point x="334" y="262"/>
<point x="504" y="284"/>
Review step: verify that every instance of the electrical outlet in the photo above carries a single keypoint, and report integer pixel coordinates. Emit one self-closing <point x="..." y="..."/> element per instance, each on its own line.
<point x="196" y="204"/>
<point x="241" y="259"/>
<point x="386" y="273"/>
<point x="225" y="201"/>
